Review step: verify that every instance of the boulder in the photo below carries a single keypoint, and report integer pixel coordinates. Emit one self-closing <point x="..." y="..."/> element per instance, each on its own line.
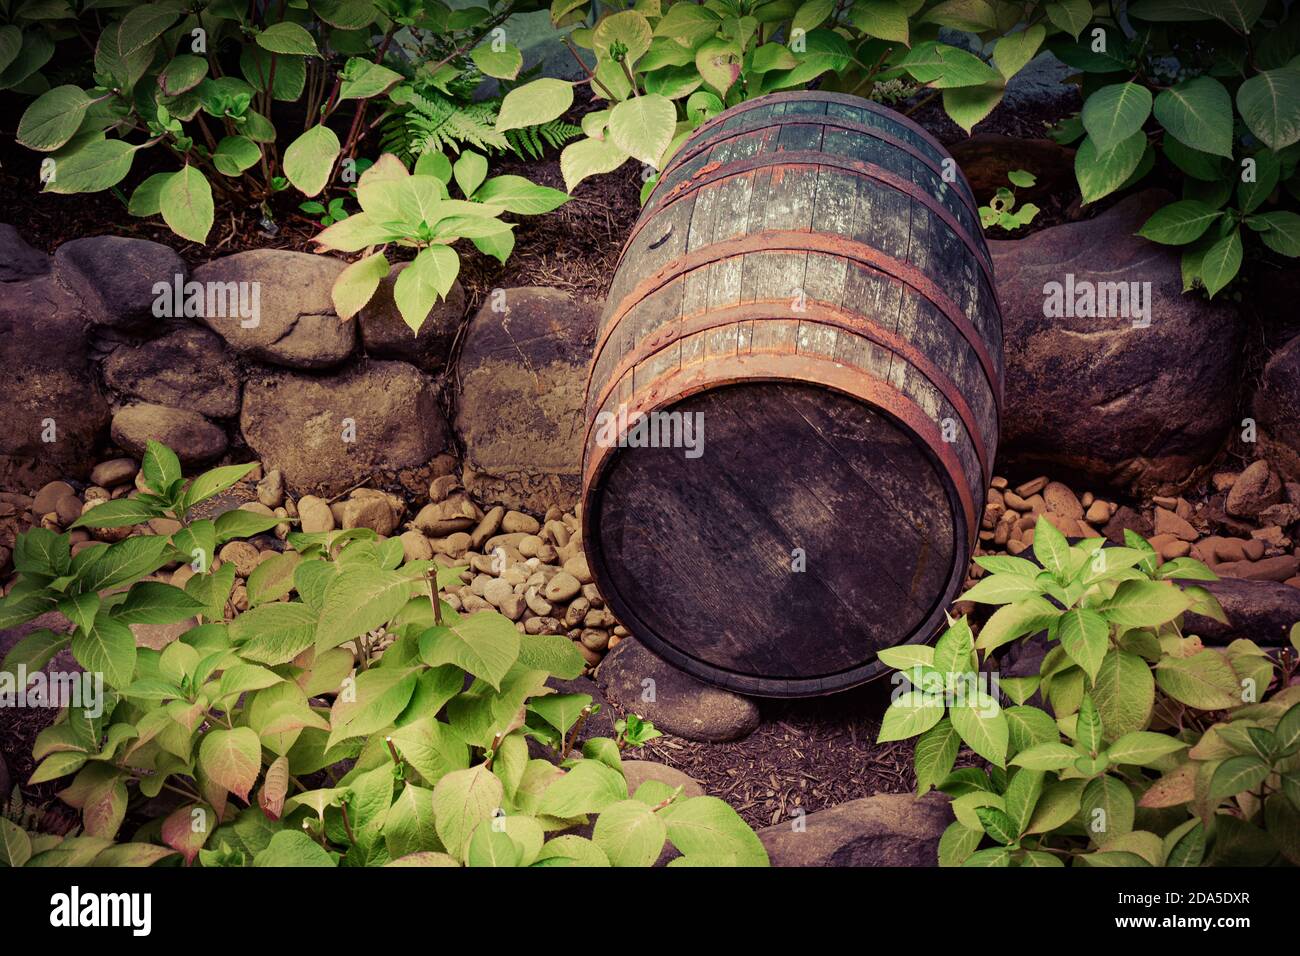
<point x="187" y="368"/>
<point x="54" y="413"/>
<point x="327" y="434"/>
<point x="885" y="829"/>
<point x="295" y="324"/>
<point x="1260" y="610"/>
<point x="519" y="412"/>
<point x="1125" y="405"/>
<point x="195" y="440"/>
<point x="384" y="333"/>
<point x="1277" y="408"/>
<point x="674" y="702"/>
<point x="115" y="276"/>
<point x="18" y="260"/>
<point x="1255" y="489"/>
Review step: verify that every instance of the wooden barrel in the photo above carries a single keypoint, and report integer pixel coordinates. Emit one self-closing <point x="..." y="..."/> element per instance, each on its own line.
<point x="809" y="283"/>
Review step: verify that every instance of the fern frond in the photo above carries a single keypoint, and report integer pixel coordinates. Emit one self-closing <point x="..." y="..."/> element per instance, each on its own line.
<point x="527" y="143"/>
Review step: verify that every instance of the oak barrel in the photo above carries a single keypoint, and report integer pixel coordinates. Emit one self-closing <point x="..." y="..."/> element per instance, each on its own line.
<point x="809" y="283"/>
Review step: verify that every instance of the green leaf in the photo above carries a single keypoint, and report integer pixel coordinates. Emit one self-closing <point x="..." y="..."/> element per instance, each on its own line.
<point x="52" y="118"/>
<point x="360" y="601"/>
<point x="91" y="167"/>
<point x="234" y="154"/>
<point x="1142" y="748"/>
<point x="719" y="61"/>
<point x="970" y="105"/>
<point x="419" y="285"/>
<point x="708" y="829"/>
<point x="997" y="824"/>
<point x="534" y="103"/>
<point x="363" y="79"/>
<point x="1002" y="589"/>
<point x="470" y="171"/>
<point x="1237" y="775"/>
<point x="147" y="198"/>
<point x="1287" y="732"/>
<point x="1269" y="102"/>
<point x="1280" y="231"/>
<point x="1180" y="222"/>
<point x="940" y="66"/>
<point x="1015" y="620"/>
<point x="492" y="847"/>
<point x="293" y="848"/>
<point x="1085" y="636"/>
<point x="589" y="157"/>
<point x="1144" y="604"/>
<point x="643" y="127"/>
<point x="503" y="64"/>
<point x="1012" y="52"/>
<point x="287" y="37"/>
<point x="120" y="513"/>
<point x="1070" y="15"/>
<point x="1049" y="755"/>
<point x="1101" y="172"/>
<point x="356" y="285"/>
<point x="630" y="834"/>
<point x="461" y="801"/>
<point x="380" y="695"/>
<point x="108" y="648"/>
<point x="1197" y="113"/>
<point x="185" y="201"/>
<point x="1116" y="113"/>
<point x="957" y="843"/>
<point x="906" y="656"/>
<point x="983" y="726"/>
<point x="1088" y="726"/>
<point x="1221" y="262"/>
<point x="912" y="713"/>
<point x="144" y="24"/>
<point x="232" y="759"/>
<point x="15" y="844"/>
<point x="161" y="467"/>
<point x="153" y="602"/>
<point x="213" y="482"/>
<point x="275" y="633"/>
<point x="485" y="644"/>
<point x="1051" y="549"/>
<point x="516" y="194"/>
<point x="1205" y="680"/>
<point x="1107" y="807"/>
<point x="310" y="158"/>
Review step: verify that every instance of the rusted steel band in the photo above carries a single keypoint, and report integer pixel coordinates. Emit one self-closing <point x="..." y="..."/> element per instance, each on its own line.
<point x="812" y="157"/>
<point x="790" y="367"/>
<point x="817" y="313"/>
<point x="683" y="156"/>
<point x="843" y="99"/>
<point x="800" y="241"/>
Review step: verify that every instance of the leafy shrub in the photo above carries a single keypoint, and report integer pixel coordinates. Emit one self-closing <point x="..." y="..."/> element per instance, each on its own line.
<point x="664" y="68"/>
<point x="1147" y="748"/>
<point x="420" y="758"/>
<point x="417" y="211"/>
<point x="1211" y="92"/>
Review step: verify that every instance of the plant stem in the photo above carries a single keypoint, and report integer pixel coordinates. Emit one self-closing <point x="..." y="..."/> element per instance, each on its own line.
<point x="591" y="77"/>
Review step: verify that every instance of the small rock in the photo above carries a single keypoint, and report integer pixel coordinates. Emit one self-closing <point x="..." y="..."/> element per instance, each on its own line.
<point x="637" y="772"/>
<point x="543" y="625"/>
<point x="683" y="705"/>
<point x="456" y="513"/>
<point x="487" y="527"/>
<point x="577" y="566"/>
<point x="415" y="546"/>
<point x="442" y="486"/>
<point x="497" y="591"/>
<point x="1032" y="487"/>
<point x="369" y="512"/>
<point x="68" y="508"/>
<point x="516" y="522"/>
<point x="242" y="554"/>
<point x="270" y="490"/>
<point x="1167" y="522"/>
<point x="110" y="474"/>
<point x="595" y="638"/>
<point x="1224" y="480"/>
<point x="1254" y="490"/>
<point x="48" y="497"/>
<point x="513" y="607"/>
<point x="536" y="603"/>
<point x="1062" y="501"/>
<point x="314" y="515"/>
<point x="563" y="587"/>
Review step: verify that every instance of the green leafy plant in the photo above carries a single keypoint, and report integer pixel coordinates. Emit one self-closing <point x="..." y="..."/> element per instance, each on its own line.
<point x="416" y="211"/>
<point x="349" y="717"/>
<point x="1001" y="210"/>
<point x="634" y="731"/>
<point x="1208" y="93"/>
<point x="1143" y="748"/>
<point x="665" y="68"/>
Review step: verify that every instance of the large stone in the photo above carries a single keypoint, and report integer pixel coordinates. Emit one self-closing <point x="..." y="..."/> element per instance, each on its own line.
<point x="54" y="413"/>
<point x="295" y="325"/>
<point x="195" y="440"/>
<point x="885" y="829"/>
<point x="681" y="704"/>
<point x="1123" y="405"/>
<point x="188" y="368"/>
<point x="1263" y="611"/>
<point x="327" y="434"/>
<point x="18" y="260"/>
<point x="384" y="333"/>
<point x="1277" y="408"/>
<point x="115" y="277"/>
<point x="519" y="412"/>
